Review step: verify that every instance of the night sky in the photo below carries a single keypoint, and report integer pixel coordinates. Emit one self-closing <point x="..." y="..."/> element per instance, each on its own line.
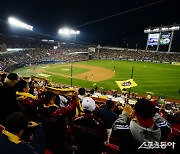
<point x="47" y="16"/>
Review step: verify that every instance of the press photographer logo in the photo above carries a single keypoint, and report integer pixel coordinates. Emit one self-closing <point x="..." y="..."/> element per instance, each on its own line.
<point x="156" y="145"/>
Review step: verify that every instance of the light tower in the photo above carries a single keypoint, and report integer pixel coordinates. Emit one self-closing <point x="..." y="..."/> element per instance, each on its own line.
<point x="15" y="22"/>
<point x="67" y="32"/>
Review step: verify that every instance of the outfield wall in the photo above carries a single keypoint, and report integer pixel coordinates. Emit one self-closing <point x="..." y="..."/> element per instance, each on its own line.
<point x="153" y="61"/>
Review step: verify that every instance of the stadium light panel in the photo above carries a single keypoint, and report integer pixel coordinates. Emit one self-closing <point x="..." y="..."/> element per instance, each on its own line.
<point x="64" y="31"/>
<point x="60" y="31"/>
<point x="72" y="32"/>
<point x="147" y="31"/>
<point x="165" y="29"/>
<point x="156" y="30"/>
<point x="67" y="32"/>
<point x="20" y="24"/>
<point x="175" y="28"/>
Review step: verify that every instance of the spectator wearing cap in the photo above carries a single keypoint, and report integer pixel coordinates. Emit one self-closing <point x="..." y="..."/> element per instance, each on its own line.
<point x="107" y="116"/>
<point x="8" y="97"/>
<point x="11" y="137"/>
<point x="147" y="126"/>
<point x="89" y="132"/>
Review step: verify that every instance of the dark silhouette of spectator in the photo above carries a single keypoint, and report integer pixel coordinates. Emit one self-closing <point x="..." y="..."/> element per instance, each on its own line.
<point x="81" y="96"/>
<point x="8" y="97"/>
<point x="82" y="93"/>
<point x="95" y="87"/>
<point x="174" y="134"/>
<point x="91" y="91"/>
<point x="3" y="76"/>
<point x="89" y="132"/>
<point x="11" y="79"/>
<point x="107" y="116"/>
<point x="10" y="140"/>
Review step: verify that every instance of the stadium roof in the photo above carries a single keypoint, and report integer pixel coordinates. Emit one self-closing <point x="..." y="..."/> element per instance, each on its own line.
<point x="117" y="22"/>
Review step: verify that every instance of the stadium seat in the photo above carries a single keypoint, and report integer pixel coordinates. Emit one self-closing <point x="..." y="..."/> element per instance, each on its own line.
<point x="111" y="149"/>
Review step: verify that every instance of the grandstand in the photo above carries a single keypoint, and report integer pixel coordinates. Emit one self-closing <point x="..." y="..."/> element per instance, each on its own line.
<point x="38" y="55"/>
<point x="81" y="77"/>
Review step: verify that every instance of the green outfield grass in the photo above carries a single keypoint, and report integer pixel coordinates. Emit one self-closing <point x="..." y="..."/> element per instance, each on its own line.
<point x="161" y="79"/>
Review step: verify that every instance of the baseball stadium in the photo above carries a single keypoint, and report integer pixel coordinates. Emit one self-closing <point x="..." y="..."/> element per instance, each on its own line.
<point x="84" y="77"/>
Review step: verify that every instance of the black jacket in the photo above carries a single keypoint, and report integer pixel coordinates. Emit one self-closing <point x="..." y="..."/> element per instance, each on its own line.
<point x="90" y="134"/>
<point x="8" y="102"/>
<point x="8" y="147"/>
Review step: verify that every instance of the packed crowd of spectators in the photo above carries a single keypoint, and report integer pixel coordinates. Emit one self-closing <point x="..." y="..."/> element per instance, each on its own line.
<point x="25" y="42"/>
<point x="39" y="118"/>
<point x="40" y="50"/>
<point x="137" y="55"/>
<point x="37" y="56"/>
<point x="34" y="56"/>
<point x="36" y="51"/>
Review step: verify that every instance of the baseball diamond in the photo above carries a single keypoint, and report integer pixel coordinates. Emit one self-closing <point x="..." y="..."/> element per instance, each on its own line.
<point x="161" y="79"/>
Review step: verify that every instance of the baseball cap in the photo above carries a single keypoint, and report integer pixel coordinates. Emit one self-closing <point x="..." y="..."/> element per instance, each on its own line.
<point x="88" y="104"/>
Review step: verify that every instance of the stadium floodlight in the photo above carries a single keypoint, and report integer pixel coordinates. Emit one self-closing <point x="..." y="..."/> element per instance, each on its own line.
<point x="64" y="31"/>
<point x="174" y="28"/>
<point x="147" y="31"/>
<point x="155" y="30"/>
<point x="20" y="24"/>
<point x="72" y="31"/>
<point x="68" y="32"/>
<point x="164" y="29"/>
<point x="77" y="32"/>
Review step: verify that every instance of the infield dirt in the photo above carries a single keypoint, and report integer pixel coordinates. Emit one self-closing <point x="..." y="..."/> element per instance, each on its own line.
<point x="95" y="73"/>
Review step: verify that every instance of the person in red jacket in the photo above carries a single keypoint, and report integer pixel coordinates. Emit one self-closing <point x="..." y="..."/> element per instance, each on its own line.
<point x="27" y="101"/>
<point x="54" y="121"/>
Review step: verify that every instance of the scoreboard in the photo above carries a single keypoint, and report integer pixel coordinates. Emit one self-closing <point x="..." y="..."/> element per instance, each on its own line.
<point x="160" y="38"/>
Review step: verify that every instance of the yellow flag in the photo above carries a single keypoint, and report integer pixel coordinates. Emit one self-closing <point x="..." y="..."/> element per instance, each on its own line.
<point x="126" y="84"/>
